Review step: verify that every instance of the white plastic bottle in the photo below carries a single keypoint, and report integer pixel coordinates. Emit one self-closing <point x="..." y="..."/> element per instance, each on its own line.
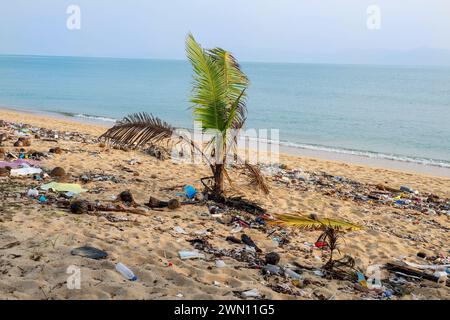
<point x="127" y="273"/>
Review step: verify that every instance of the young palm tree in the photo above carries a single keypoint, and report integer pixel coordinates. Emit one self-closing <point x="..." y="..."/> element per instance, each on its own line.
<point x="218" y="102"/>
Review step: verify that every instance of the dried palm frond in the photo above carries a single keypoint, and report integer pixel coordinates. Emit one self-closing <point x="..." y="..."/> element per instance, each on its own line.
<point x="138" y="129"/>
<point x="256" y="177"/>
<point x="314" y="224"/>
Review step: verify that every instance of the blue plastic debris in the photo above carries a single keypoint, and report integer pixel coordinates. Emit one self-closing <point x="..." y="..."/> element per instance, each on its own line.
<point x="190" y="191"/>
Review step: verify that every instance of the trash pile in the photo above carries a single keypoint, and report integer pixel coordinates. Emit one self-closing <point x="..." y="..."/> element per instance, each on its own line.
<point x="347" y="189"/>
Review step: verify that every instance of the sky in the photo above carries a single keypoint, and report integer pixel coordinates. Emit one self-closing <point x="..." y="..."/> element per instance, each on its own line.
<point x="254" y="30"/>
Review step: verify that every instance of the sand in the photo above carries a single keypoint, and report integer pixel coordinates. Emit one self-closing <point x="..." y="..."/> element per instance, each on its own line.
<point x="36" y="239"/>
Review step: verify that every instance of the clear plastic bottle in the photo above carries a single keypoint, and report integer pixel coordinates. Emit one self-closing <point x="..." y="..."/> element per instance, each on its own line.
<point x="127" y="273"/>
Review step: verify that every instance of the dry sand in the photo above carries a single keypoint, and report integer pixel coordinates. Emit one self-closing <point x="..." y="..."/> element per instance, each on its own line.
<point x="36" y="239"/>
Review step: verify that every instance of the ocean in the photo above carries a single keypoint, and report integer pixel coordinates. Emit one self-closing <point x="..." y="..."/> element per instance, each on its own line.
<point x="386" y="112"/>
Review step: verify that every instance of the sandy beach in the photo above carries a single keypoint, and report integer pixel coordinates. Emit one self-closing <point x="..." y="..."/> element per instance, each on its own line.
<point x="36" y="237"/>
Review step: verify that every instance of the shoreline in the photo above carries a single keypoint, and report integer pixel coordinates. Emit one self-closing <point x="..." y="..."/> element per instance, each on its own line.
<point x="287" y="150"/>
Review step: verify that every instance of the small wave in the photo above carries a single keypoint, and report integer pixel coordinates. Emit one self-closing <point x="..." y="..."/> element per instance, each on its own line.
<point x="87" y="116"/>
<point x="370" y="154"/>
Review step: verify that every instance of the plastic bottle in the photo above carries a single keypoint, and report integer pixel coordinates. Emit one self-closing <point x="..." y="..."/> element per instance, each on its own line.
<point x="291" y="273"/>
<point x="127" y="273"/>
<point x="33" y="193"/>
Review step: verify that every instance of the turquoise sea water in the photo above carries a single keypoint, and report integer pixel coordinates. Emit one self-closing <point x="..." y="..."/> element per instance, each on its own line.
<point x="388" y="112"/>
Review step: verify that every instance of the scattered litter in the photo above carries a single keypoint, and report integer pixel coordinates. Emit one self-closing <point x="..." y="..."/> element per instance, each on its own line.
<point x="190" y="191"/>
<point x="220" y="264"/>
<point x="64" y="187"/>
<point x="127" y="273"/>
<point x="89" y="252"/>
<point x="25" y="171"/>
<point x="318" y="273"/>
<point x="33" y="193"/>
<point x="236" y="229"/>
<point x="191" y="255"/>
<point x="179" y="229"/>
<point x="254" y="293"/>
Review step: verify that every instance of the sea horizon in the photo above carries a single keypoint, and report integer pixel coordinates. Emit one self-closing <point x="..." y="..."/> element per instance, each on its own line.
<point x="298" y="105"/>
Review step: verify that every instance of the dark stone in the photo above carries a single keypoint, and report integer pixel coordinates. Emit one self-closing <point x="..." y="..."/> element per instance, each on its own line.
<point x="272" y="258"/>
<point x="58" y="172"/>
<point x="233" y="239"/>
<point x="79" y="207"/>
<point x="422" y="255"/>
<point x="56" y="150"/>
<point x="126" y="196"/>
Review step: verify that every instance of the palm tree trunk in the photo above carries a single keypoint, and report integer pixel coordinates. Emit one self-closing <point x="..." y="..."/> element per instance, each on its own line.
<point x="218" y="180"/>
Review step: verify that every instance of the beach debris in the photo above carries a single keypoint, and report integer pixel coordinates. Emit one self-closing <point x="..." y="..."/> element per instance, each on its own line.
<point x="272" y="269"/>
<point x="184" y="255"/>
<point x="156" y="203"/>
<point x="348" y="189"/>
<point x="56" y="150"/>
<point x="253" y="293"/>
<point x="5" y="172"/>
<point x="79" y="206"/>
<point x="33" y="193"/>
<point x="113" y="218"/>
<point x="190" y="191"/>
<point x="422" y="255"/>
<point x="63" y="187"/>
<point x="58" y="172"/>
<point x="23" y="142"/>
<point x="17" y="163"/>
<point x="126" y="197"/>
<point x="220" y="263"/>
<point x="88" y="177"/>
<point x="233" y="239"/>
<point x="25" y="171"/>
<point x="179" y="229"/>
<point x="405" y="270"/>
<point x="248" y="241"/>
<point x="89" y="252"/>
<point x="125" y="271"/>
<point x="237" y="228"/>
<point x="272" y="258"/>
<point x="173" y="204"/>
<point x="158" y="152"/>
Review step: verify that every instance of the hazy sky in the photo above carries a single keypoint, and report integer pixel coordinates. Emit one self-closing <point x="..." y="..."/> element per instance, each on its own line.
<point x="267" y="30"/>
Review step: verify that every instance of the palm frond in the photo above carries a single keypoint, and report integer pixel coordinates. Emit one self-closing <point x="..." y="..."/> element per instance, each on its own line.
<point x="138" y="129"/>
<point x="236" y="82"/>
<point x="312" y="224"/>
<point x="256" y="178"/>
<point x="209" y="89"/>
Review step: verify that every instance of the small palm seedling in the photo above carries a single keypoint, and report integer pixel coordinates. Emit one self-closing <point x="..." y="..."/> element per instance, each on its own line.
<point x="332" y="232"/>
<point x="219" y="105"/>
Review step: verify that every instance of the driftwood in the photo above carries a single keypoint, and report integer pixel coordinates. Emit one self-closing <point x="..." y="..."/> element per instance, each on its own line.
<point x="83" y="206"/>
<point x="172" y="188"/>
<point x="244" y="204"/>
<point x="394" y="267"/>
